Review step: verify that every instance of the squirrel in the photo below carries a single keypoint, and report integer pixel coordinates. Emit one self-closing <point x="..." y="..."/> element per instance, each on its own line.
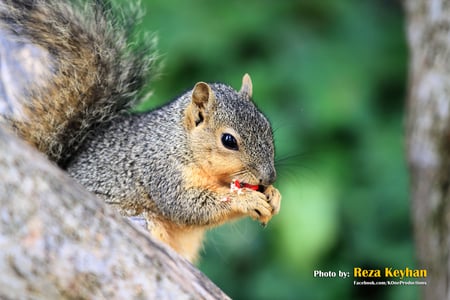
<point x="197" y="162"/>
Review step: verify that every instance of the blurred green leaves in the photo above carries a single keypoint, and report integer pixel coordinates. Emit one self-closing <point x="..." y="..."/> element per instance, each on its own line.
<point x="330" y="75"/>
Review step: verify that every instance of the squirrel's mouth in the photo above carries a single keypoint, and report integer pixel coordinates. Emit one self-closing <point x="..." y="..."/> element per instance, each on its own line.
<point x="236" y="184"/>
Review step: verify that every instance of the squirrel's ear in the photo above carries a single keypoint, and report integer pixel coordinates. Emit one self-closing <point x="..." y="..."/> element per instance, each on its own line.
<point x="201" y="94"/>
<point x="202" y="97"/>
<point x="247" y="86"/>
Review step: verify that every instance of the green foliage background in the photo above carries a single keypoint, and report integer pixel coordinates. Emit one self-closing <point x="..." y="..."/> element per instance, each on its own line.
<point x="331" y="76"/>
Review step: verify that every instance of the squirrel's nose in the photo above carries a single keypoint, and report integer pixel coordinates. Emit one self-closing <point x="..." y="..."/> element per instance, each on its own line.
<point x="268" y="176"/>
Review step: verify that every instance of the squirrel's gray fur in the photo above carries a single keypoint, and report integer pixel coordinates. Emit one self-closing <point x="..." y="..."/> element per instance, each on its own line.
<point x="146" y="152"/>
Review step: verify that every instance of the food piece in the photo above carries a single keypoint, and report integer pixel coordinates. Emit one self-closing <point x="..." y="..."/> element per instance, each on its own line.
<point x="250" y="186"/>
<point x="237" y="186"/>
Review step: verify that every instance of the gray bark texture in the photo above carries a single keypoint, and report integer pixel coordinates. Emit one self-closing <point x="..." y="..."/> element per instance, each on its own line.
<point x="428" y="139"/>
<point x="57" y="241"/>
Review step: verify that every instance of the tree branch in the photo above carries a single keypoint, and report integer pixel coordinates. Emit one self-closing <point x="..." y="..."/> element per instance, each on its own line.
<point x="59" y="241"/>
<point x="428" y="139"/>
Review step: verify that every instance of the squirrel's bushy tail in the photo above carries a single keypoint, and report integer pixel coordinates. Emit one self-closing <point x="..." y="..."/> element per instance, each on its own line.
<point x="92" y="69"/>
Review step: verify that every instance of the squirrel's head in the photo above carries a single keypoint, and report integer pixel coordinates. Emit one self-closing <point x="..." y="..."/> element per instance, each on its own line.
<point x="229" y="137"/>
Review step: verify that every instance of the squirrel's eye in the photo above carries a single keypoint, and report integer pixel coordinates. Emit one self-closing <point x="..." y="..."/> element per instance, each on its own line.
<point x="229" y="142"/>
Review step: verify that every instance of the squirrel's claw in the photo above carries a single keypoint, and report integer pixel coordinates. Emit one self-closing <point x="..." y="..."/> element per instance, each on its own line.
<point x="273" y="198"/>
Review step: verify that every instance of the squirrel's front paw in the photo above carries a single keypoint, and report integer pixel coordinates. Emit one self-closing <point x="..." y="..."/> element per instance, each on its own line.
<point x="253" y="204"/>
<point x="273" y="198"/>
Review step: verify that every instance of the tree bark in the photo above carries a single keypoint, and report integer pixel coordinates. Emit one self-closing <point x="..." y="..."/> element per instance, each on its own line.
<point x="428" y="138"/>
<point x="57" y="241"/>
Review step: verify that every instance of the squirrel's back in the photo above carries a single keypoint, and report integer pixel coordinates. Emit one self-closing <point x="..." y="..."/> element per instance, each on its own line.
<point x="66" y="67"/>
